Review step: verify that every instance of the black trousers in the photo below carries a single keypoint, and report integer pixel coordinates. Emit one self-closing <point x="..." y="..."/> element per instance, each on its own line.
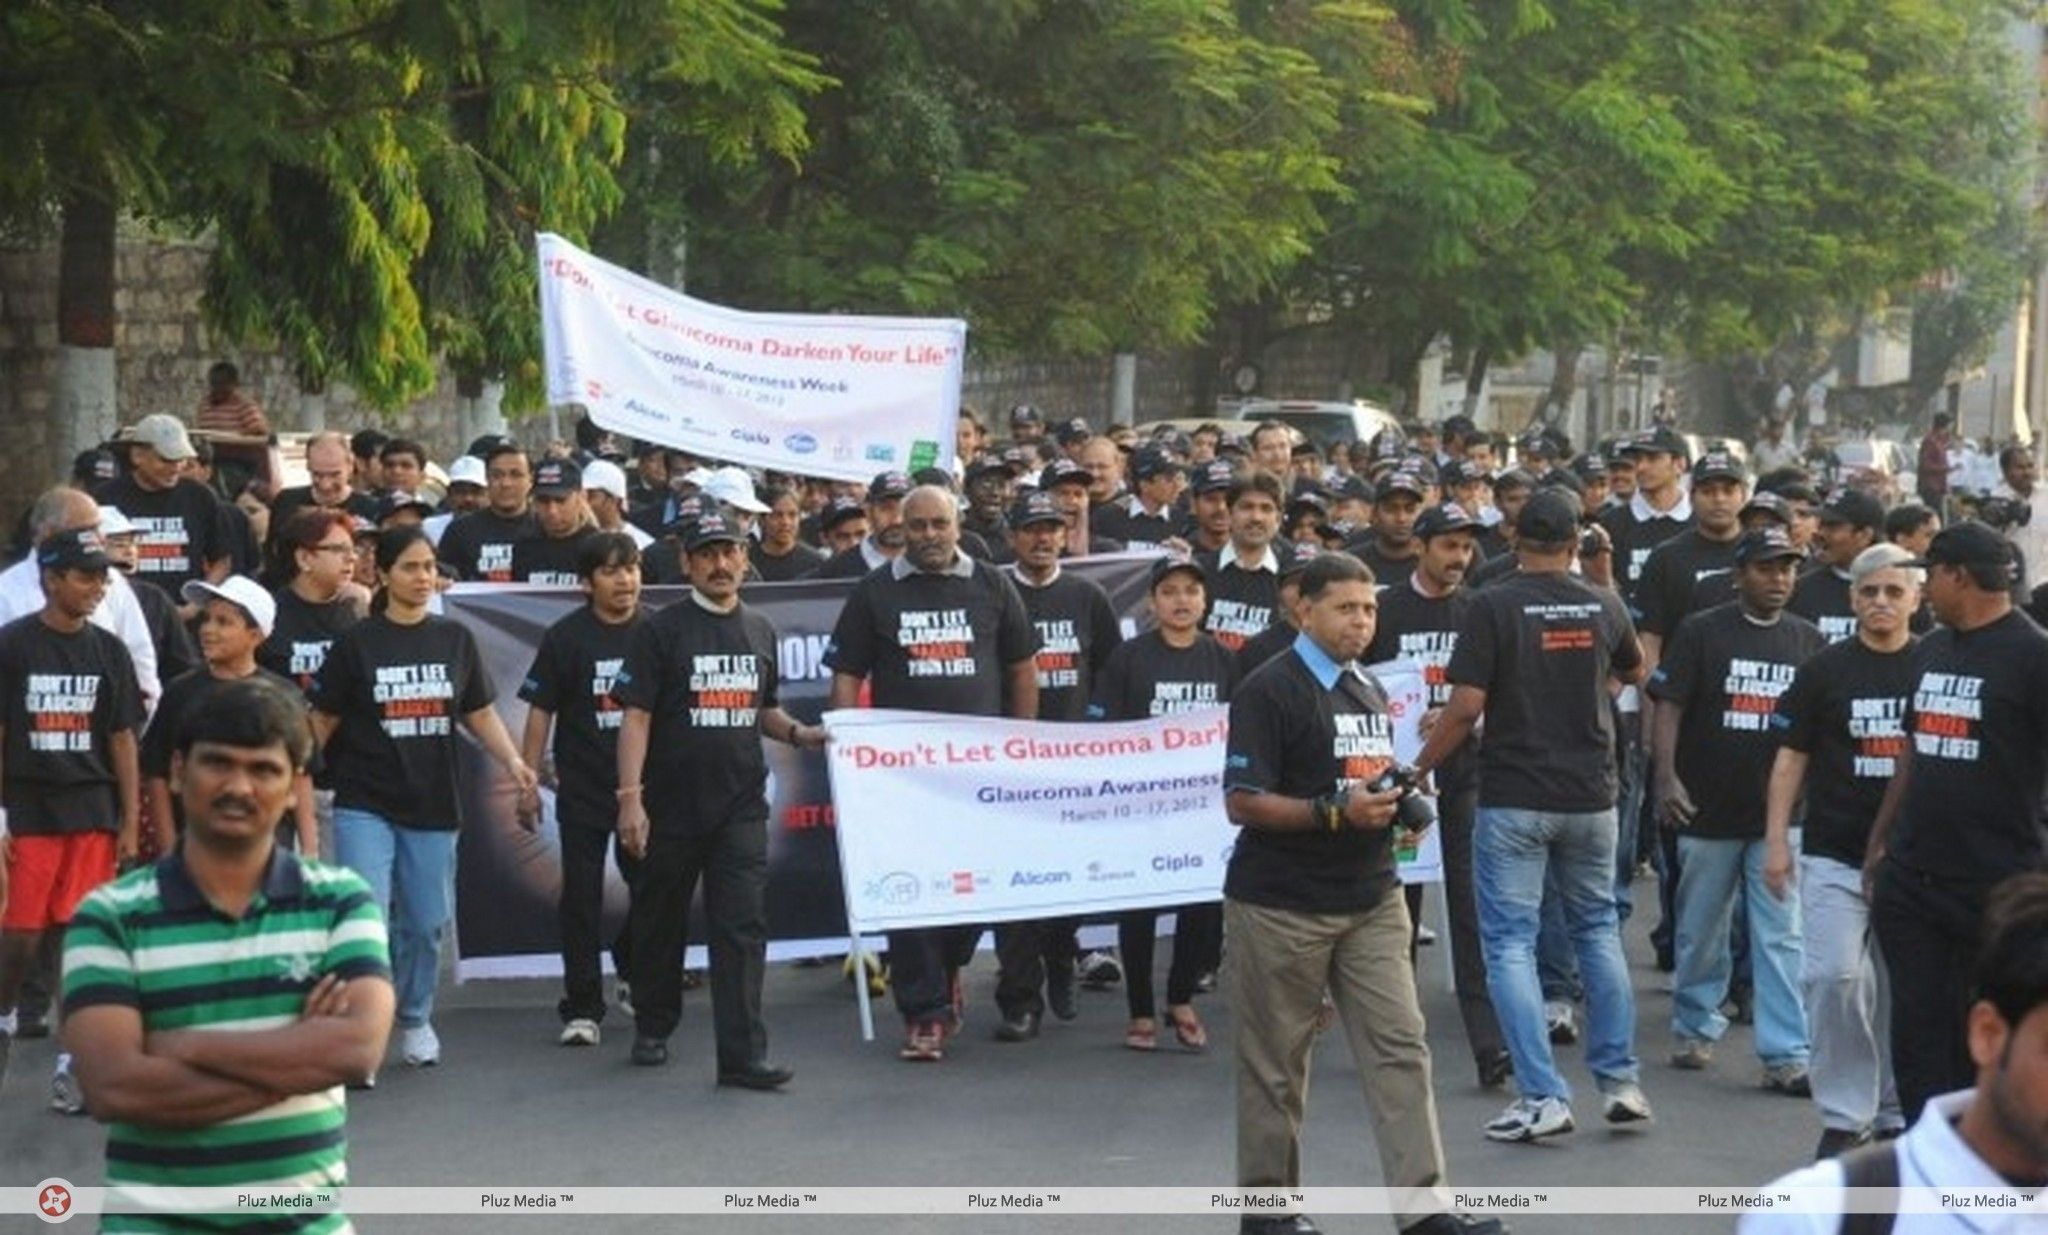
<point x="1457" y="816"/>
<point x="580" y="917"/>
<point x="922" y="964"/>
<point x="1927" y="931"/>
<point x="1195" y="929"/>
<point x="732" y="860"/>
<point x="1020" y="957"/>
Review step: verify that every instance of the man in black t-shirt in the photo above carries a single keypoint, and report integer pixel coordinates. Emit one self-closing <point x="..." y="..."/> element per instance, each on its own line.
<point x="1207" y="529"/>
<point x="1966" y="807"/>
<point x="934" y="631"/>
<point x="1244" y="577"/>
<point x="1715" y="692"/>
<point x="478" y="545"/>
<point x="569" y="691"/>
<point x="1850" y="523"/>
<point x="69" y="789"/>
<point x="1534" y="657"/>
<point x="562" y="523"/>
<point x="1843" y="720"/>
<point x="182" y="524"/>
<point x="1146" y="518"/>
<point x="1310" y="904"/>
<point x="883" y="541"/>
<point x="328" y="467"/>
<point x="1077" y="631"/>
<point x="1419" y="621"/>
<point x="699" y="687"/>
<point x="1390" y="548"/>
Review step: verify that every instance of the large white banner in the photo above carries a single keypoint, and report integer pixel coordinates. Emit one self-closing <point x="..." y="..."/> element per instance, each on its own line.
<point x="838" y="396"/>
<point x="953" y="819"/>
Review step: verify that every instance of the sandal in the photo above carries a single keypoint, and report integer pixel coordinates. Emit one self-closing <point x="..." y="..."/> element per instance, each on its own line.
<point x="1143" y="1035"/>
<point x="1188" y="1028"/>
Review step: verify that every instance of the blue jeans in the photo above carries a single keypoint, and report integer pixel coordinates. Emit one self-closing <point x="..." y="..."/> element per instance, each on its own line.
<point x="1711" y="874"/>
<point x="411" y="872"/>
<point x="1512" y="851"/>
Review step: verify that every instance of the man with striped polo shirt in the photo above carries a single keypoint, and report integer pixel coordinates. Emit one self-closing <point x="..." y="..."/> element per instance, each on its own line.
<point x="218" y="1001"/>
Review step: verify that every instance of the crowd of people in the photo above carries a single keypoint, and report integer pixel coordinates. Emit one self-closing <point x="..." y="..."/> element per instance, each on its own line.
<point x="1818" y="722"/>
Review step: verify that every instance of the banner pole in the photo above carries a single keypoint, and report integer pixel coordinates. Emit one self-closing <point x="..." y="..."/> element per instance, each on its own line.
<point x="855" y="949"/>
<point x="860" y="984"/>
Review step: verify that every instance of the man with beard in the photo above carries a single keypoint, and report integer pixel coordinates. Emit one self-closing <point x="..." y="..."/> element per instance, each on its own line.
<point x="562" y="518"/>
<point x="1146" y="518"/>
<point x="1208" y="523"/>
<point x="1851" y="522"/>
<point x="1244" y="577"/>
<point x="884" y="540"/>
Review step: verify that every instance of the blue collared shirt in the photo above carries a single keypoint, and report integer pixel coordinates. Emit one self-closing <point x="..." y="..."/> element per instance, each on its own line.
<point x="1325" y="670"/>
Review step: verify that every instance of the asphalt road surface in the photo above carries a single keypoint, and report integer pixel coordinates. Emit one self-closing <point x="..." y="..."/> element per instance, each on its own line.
<point x="508" y="1108"/>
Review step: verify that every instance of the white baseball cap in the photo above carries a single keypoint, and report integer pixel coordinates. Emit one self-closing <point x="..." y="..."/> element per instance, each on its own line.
<point x="604" y="476"/>
<point x="468" y="470"/>
<point x="114" y="523"/>
<point x="733" y="487"/>
<point x="163" y="433"/>
<point x="240" y="591"/>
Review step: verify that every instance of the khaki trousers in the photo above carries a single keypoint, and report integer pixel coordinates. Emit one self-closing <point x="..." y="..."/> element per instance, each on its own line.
<point x="1277" y="965"/>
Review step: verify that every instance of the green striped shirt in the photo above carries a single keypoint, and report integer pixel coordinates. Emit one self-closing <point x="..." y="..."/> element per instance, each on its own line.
<point x="151" y="941"/>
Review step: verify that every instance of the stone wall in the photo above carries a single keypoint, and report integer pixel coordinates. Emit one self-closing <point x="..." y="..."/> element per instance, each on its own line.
<point x="163" y="349"/>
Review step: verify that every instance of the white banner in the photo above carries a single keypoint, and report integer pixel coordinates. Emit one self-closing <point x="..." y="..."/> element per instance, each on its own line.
<point x="1407" y="700"/>
<point x="838" y="396"/>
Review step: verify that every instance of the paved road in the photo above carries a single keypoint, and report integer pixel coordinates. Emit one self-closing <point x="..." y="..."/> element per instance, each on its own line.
<point x="508" y="1108"/>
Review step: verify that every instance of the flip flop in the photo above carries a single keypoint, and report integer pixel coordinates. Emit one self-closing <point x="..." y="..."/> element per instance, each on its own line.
<point x="1189" y="1030"/>
<point x="1142" y="1039"/>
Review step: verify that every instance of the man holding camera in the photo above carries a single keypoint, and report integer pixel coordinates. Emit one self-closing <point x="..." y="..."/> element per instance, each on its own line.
<point x="1310" y="903"/>
<point x="2010" y="509"/>
<point x="1534" y="657"/>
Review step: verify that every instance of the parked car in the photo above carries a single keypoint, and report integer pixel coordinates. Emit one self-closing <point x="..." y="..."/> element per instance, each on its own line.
<point x="1327" y="423"/>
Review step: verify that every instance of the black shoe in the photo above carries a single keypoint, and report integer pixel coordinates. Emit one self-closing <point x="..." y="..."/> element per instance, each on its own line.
<point x="1495" y="1067"/>
<point x="1667" y="960"/>
<point x="1456" y="1224"/>
<point x="1019" y="1028"/>
<point x="33" y="1025"/>
<point x="757" y="1075"/>
<point x="1267" y="1224"/>
<point x="1834" y="1142"/>
<point x="1059" y="991"/>
<point x="649" y="1052"/>
<point x="1741" y="1007"/>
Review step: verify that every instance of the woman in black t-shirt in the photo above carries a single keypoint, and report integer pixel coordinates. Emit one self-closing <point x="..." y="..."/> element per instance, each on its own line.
<point x="386" y="704"/>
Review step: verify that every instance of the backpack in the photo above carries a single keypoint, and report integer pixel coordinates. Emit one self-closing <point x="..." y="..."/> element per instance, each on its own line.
<point x="1871" y="1166"/>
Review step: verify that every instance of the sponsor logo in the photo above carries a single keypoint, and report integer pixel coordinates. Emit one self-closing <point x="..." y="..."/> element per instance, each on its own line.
<point x="842" y="449"/>
<point x="1176" y="861"/>
<point x="800" y="443"/>
<point x="894" y="888"/>
<point x="595" y="390"/>
<point x="750" y="435"/>
<point x="880" y="453"/>
<point x="963" y="883"/>
<point x="1097" y="872"/>
<point x="1040" y="879"/>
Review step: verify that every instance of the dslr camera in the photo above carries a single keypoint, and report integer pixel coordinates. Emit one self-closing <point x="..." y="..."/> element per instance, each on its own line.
<point x="2005" y="513"/>
<point x="1413" y="812"/>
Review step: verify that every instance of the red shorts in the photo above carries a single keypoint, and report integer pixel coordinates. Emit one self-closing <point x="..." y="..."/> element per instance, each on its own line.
<point x="48" y="875"/>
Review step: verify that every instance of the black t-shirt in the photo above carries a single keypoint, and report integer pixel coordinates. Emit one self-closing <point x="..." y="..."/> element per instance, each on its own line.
<point x="400" y="692"/>
<point x="64" y="697"/>
<point x="183" y="694"/>
<point x="1077" y="631"/>
<point x="1264" y="646"/>
<point x="292" y="501"/>
<point x="550" y="560"/>
<point x="798" y="563"/>
<point x="704" y="679"/>
<point x="479" y="544"/>
<point x="176" y="651"/>
<point x="1242" y="603"/>
<point x="180" y="530"/>
<point x="1492" y="543"/>
<point x="1663" y="596"/>
<point x="1386" y="571"/>
<point x="571" y="678"/>
<point x="1822" y="598"/>
<point x="845" y="564"/>
<point x="1135" y="530"/>
<point x="1727" y="673"/>
<point x="1146" y="677"/>
<point x="1424" y="630"/>
<point x="302" y="635"/>
<point x="934" y="643"/>
<point x="1633" y="540"/>
<point x="1492" y="571"/>
<point x="1846" y="712"/>
<point x="1979" y="724"/>
<point x="1542" y="646"/>
<point x="1291" y="736"/>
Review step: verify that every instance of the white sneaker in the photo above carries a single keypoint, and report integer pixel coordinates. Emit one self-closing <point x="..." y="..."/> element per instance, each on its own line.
<point x="1622" y="1102"/>
<point x="1527" y="1119"/>
<point x="579" y="1032"/>
<point x="622" y="995"/>
<point x="1099" y="969"/>
<point x="66" y="1097"/>
<point x="1561" y="1021"/>
<point x="419" y="1046"/>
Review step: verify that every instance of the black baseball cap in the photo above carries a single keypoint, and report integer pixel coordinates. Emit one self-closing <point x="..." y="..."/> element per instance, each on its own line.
<point x="1231" y="444"/>
<point x="1768" y="503"/>
<point x="557" y="478"/>
<point x="1765" y="544"/>
<point x="1457" y="472"/>
<point x="688" y="511"/>
<point x="1719" y="465"/>
<point x="1308" y="499"/>
<point x="1445" y="519"/>
<point x="1548" y="518"/>
<point x="78" y="548"/>
<point x="1855" y="508"/>
<point x="1589" y="467"/>
<point x="1563" y="478"/>
<point x="1403" y="480"/>
<point x="1063" y="472"/>
<point x="1025" y="414"/>
<point x="483" y="447"/>
<point x="1020" y="459"/>
<point x="1514" y="478"/>
<point x="1358" y="487"/>
<point x="985" y="465"/>
<point x="1072" y="430"/>
<point x="1150" y="462"/>
<point x="1661" y="440"/>
<point x="1215" y="476"/>
<point x="392" y="503"/>
<point x="838" y="511"/>
<point x="1173" y="562"/>
<point x="1968" y="543"/>
<point x="1035" y="507"/>
<point x="1536" y="442"/>
<point x="888" y="486"/>
<point x="712" y="529"/>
